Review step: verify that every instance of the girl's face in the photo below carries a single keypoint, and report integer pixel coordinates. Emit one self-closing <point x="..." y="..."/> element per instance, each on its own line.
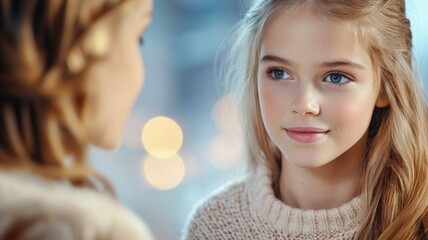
<point x="317" y="89"/>
<point x="119" y="79"/>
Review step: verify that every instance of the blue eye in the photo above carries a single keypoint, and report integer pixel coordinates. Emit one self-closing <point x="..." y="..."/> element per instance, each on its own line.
<point x="278" y="74"/>
<point x="337" y="78"/>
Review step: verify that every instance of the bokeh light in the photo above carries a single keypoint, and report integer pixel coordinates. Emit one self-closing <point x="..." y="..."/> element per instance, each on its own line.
<point x="226" y="150"/>
<point x="227" y="147"/>
<point x="162" y="137"/>
<point x="225" y="114"/>
<point x="164" y="173"/>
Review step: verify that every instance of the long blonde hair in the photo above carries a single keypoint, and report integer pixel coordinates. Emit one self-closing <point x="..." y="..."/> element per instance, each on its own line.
<point x="46" y="51"/>
<point x="395" y="170"/>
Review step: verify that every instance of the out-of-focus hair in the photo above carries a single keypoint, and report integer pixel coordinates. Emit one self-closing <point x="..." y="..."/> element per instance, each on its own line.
<point x="395" y="170"/>
<point x="47" y="49"/>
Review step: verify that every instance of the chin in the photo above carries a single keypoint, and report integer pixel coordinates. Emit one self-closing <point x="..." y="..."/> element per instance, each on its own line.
<point x="308" y="163"/>
<point x="110" y="146"/>
<point x="107" y="142"/>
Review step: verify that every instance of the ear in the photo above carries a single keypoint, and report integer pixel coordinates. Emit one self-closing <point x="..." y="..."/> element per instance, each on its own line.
<point x="382" y="101"/>
<point x="382" y="98"/>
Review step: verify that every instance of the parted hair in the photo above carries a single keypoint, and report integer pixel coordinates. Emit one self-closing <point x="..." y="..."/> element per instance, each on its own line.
<point x="47" y="49"/>
<point x="394" y="175"/>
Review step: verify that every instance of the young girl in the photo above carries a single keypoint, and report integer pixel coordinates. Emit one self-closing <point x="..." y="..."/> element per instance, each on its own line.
<point x="70" y="71"/>
<point x="335" y="122"/>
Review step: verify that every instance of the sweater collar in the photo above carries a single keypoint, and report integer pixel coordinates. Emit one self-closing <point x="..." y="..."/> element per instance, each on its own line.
<point x="276" y="213"/>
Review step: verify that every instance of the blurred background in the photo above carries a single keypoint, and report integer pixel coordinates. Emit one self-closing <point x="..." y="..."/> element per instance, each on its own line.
<point x="178" y="146"/>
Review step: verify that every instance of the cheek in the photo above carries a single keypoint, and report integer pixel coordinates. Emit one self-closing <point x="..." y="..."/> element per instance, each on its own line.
<point x="142" y="72"/>
<point x="135" y="67"/>
<point x="139" y="67"/>
<point x="352" y="114"/>
<point x="132" y="75"/>
<point x="272" y="104"/>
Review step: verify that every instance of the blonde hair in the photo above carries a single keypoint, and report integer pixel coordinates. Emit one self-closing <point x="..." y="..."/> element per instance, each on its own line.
<point x="395" y="170"/>
<point x="46" y="52"/>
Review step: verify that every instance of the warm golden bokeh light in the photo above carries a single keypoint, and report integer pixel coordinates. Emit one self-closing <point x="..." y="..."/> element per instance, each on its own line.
<point x="162" y="137"/>
<point x="165" y="173"/>
<point x="226" y="150"/>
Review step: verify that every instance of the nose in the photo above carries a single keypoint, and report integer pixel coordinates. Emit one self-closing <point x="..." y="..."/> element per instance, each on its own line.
<point x="305" y="101"/>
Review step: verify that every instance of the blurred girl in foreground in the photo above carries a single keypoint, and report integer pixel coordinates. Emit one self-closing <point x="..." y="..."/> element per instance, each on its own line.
<point x="70" y="71"/>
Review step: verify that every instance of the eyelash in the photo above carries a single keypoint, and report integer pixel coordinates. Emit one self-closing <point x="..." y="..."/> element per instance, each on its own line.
<point x="270" y="71"/>
<point x="341" y="74"/>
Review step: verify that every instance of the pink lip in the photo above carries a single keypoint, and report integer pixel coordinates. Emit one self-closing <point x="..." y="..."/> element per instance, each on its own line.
<point x="305" y="135"/>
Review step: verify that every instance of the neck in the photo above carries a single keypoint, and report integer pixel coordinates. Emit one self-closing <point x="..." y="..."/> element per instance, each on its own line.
<point x="325" y="187"/>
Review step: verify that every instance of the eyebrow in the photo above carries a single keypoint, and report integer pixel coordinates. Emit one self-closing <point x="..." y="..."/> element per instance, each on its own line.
<point x="272" y="58"/>
<point x="345" y="63"/>
<point x="336" y="63"/>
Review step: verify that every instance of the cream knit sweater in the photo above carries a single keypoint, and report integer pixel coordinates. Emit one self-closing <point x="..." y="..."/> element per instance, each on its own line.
<point x="35" y="209"/>
<point x="249" y="210"/>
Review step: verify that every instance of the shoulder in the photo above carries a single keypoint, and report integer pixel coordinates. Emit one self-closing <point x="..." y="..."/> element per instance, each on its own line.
<point x="32" y="208"/>
<point x="223" y="200"/>
<point x="227" y="206"/>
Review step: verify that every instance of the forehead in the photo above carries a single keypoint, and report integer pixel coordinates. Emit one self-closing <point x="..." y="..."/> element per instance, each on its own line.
<point x="299" y="31"/>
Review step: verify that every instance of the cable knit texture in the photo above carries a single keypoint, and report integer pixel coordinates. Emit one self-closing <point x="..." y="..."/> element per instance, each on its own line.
<point x="32" y="208"/>
<point x="248" y="209"/>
